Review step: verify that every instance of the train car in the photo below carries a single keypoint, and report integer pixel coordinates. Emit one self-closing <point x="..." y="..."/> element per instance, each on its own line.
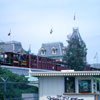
<point x="91" y="68"/>
<point x="42" y="62"/>
<point x="61" y="66"/>
<point x="14" y="59"/>
<point x="6" y="58"/>
<point x="30" y="61"/>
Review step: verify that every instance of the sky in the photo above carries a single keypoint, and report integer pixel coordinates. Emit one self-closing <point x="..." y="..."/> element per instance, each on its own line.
<point x="30" y="22"/>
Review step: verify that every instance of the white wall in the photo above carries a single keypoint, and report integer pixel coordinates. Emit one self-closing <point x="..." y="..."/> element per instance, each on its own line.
<point x="30" y="96"/>
<point x="50" y="86"/>
<point x="53" y="86"/>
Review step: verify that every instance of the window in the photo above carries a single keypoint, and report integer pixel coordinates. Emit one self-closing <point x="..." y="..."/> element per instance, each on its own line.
<point x="84" y="86"/>
<point x="69" y="84"/>
<point x="43" y="51"/>
<point x="96" y="84"/>
<point x="54" y="50"/>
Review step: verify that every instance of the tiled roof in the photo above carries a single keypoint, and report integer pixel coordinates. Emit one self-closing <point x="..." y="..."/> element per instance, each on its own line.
<point x="11" y="46"/>
<point x="48" y="49"/>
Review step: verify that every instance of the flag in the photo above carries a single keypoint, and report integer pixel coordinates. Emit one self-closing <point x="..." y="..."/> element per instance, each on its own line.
<point x="9" y="33"/>
<point x="74" y="17"/>
<point x="51" y="31"/>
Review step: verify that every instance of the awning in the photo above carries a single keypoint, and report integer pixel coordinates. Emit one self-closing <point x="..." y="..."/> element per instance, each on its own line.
<point x="73" y="73"/>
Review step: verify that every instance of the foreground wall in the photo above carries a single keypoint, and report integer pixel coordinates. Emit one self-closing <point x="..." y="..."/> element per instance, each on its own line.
<point x="53" y="86"/>
<point x="50" y="86"/>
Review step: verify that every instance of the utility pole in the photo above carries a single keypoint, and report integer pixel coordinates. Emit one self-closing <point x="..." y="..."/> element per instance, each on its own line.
<point x="5" y="84"/>
<point x="37" y="60"/>
<point x="29" y="64"/>
<point x="29" y="59"/>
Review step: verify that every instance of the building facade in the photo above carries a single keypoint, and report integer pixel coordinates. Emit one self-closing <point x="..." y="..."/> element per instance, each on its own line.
<point x="57" y="50"/>
<point x="52" y="50"/>
<point x="82" y="85"/>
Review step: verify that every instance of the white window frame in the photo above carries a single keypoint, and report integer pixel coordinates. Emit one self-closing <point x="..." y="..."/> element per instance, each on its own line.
<point x="54" y="50"/>
<point x="43" y="51"/>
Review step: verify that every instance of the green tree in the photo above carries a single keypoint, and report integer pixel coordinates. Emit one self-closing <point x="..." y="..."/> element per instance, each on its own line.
<point x="76" y="52"/>
<point x="18" y="85"/>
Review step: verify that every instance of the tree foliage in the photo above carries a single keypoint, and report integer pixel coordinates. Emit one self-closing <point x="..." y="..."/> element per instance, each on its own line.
<point x="76" y="52"/>
<point x="18" y="85"/>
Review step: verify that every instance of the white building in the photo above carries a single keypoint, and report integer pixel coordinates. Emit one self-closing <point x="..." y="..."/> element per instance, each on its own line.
<point x="83" y="85"/>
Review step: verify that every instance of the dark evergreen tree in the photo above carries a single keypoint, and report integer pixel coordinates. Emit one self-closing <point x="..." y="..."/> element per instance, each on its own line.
<point x="76" y="51"/>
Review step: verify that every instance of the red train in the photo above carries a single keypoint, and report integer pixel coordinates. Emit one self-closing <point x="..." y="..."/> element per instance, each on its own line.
<point x="32" y="61"/>
<point x="91" y="68"/>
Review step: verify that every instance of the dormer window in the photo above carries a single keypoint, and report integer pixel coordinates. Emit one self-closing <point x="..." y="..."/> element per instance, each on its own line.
<point x="43" y="51"/>
<point x="54" y="50"/>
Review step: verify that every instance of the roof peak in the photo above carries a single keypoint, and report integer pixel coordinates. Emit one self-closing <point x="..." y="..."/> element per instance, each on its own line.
<point x="52" y="43"/>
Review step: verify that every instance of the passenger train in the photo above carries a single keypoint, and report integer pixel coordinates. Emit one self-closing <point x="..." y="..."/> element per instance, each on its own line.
<point x="30" y="61"/>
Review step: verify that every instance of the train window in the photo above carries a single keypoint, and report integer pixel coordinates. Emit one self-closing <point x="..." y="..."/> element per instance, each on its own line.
<point x="39" y="59"/>
<point x="1" y="56"/>
<point x="13" y="55"/>
<point x="5" y="56"/>
<point x="19" y="57"/>
<point x="53" y="67"/>
<point x="35" y="60"/>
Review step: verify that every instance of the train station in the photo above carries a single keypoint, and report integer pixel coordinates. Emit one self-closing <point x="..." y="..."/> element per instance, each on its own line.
<point x="71" y="85"/>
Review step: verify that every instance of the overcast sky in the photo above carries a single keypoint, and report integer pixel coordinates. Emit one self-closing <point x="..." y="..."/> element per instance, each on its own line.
<point x="30" y="22"/>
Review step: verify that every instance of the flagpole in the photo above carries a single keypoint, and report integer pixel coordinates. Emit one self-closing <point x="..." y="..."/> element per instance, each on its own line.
<point x="74" y="19"/>
<point x="96" y="58"/>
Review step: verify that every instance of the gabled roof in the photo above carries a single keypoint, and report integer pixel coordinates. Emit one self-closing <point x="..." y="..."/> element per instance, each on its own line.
<point x="48" y="48"/>
<point x="11" y="46"/>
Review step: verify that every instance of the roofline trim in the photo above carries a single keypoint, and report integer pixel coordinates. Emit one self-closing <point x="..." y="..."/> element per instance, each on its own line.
<point x="75" y="73"/>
